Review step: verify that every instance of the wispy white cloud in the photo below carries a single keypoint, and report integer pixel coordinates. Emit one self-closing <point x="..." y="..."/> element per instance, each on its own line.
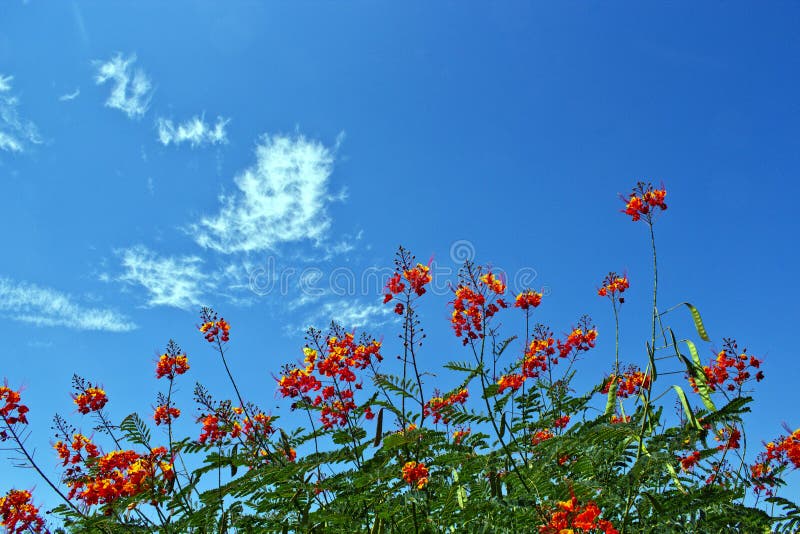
<point x="42" y="306"/>
<point x="16" y="133"/>
<point x="70" y="96"/>
<point x="195" y="131"/>
<point x="178" y="282"/>
<point x="131" y="89"/>
<point x="349" y="313"/>
<point x="282" y="198"/>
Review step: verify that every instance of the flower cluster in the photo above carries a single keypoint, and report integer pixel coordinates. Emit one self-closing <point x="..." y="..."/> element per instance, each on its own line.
<point x="779" y="454"/>
<point x="540" y="436"/>
<point x="18" y="514"/>
<point x="439" y="407"/>
<point x="631" y="382"/>
<point x="512" y="381"/>
<point x="213" y="328"/>
<point x="643" y="200"/>
<point x="690" y="460"/>
<point x="475" y="303"/>
<point x="417" y="277"/>
<point x="91" y="399"/>
<point x="11" y="410"/>
<point x="561" y="422"/>
<point x="728" y="437"/>
<point x="730" y="370"/>
<point x="165" y="414"/>
<point x="72" y="454"/>
<point x="213" y="429"/>
<point x="582" y="338"/>
<point x="571" y="515"/>
<point x="528" y="299"/>
<point x="122" y="473"/>
<point x="335" y="377"/>
<point x="613" y="285"/>
<point x="460" y="435"/>
<point x="415" y="474"/>
<point x="172" y="363"/>
<point x="540" y="351"/>
<point x="227" y="420"/>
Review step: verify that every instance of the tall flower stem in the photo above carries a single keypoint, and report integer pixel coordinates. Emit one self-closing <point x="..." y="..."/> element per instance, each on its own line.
<point x="36" y="468"/>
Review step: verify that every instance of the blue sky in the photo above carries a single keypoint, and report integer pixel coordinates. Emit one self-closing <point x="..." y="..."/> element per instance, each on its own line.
<point x="158" y="157"/>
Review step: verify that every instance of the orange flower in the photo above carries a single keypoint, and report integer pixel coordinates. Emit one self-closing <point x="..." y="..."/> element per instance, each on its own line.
<point x="120" y="474"/>
<point x="415" y="474"/>
<point x="730" y="369"/>
<point x="689" y="461"/>
<point x="539" y="352"/>
<point x="570" y="515"/>
<point x="172" y="363"/>
<point x="212" y="429"/>
<point x="613" y="284"/>
<point x="18" y="514"/>
<point x="11" y="410"/>
<point x="418" y="277"/>
<point x="92" y="399"/>
<point x="510" y="381"/>
<point x="642" y="201"/>
<point x="493" y="283"/>
<point x="561" y="422"/>
<point x="475" y="303"/>
<point x="212" y="328"/>
<point x="632" y="382"/>
<point x="528" y="299"/>
<point x="540" y="436"/>
<point x="459" y="435"/>
<point x="439" y="407"/>
<point x="582" y="338"/>
<point x="165" y="414"/>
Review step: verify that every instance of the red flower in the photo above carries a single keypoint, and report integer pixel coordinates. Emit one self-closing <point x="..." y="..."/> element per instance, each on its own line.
<point x="11" y="410"/>
<point x="212" y="431"/>
<point x="415" y="474"/>
<point x="632" y="382"/>
<point x="571" y="514"/>
<point x="212" y="328"/>
<point x="561" y="422"/>
<point x="730" y="369"/>
<point x="92" y="399"/>
<point x="613" y="284"/>
<point x="582" y="338"/>
<point x="18" y="514"/>
<point x="440" y="407"/>
<point x="475" y="303"/>
<point x="528" y="299"/>
<point x="689" y="461"/>
<point x="418" y="277"/>
<point x="460" y="435"/>
<point x="540" y="436"/>
<point x="642" y="201"/>
<point x="170" y="365"/>
<point x="121" y="474"/>
<point x="165" y="414"/>
<point x="510" y="381"/>
<point x="493" y="283"/>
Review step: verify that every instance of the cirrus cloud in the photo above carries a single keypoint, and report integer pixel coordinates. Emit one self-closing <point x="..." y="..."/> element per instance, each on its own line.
<point x="131" y="89"/>
<point x="41" y="306"/>
<point x="282" y="198"/>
